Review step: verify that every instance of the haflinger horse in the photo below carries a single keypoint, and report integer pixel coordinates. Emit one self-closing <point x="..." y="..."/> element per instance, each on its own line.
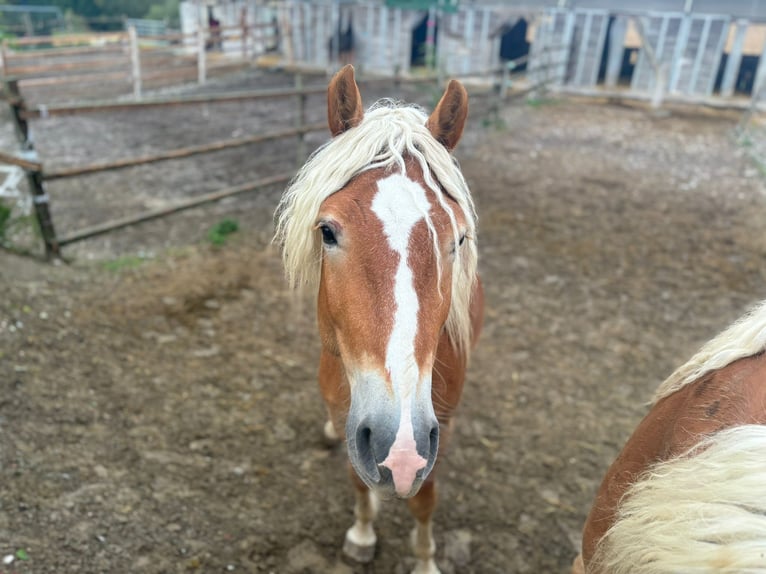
<point x="688" y="491"/>
<point x="380" y="221"/>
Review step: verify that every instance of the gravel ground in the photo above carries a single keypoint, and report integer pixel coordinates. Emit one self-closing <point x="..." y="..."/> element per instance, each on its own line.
<point x="165" y="417"/>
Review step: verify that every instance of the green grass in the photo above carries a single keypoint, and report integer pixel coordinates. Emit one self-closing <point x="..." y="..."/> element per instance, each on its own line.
<point x="540" y="102"/>
<point x="219" y="233"/>
<point x="123" y="263"/>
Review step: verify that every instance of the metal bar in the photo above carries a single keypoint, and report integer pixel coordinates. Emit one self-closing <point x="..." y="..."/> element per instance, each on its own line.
<point x="175" y="154"/>
<point x="734" y="60"/>
<point x="616" y="49"/>
<point x="110" y="106"/>
<point x="700" y="56"/>
<point x="599" y="50"/>
<point x="397" y="41"/>
<point x="483" y="35"/>
<point x="717" y="56"/>
<point x="469" y="28"/>
<point x="678" y="56"/>
<point x="108" y="226"/>
<point x="582" y="52"/>
<point x="760" y="74"/>
<point x="563" y="57"/>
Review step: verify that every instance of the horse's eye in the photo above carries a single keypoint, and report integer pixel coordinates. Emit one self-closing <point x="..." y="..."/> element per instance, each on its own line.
<point x="328" y="235"/>
<point x="462" y="239"/>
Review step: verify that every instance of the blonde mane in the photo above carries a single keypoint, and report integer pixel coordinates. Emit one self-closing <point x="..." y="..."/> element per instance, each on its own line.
<point x="388" y="134"/>
<point x="745" y="338"/>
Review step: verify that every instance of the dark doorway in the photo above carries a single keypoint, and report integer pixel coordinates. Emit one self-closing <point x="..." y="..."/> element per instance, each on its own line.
<point x="513" y="43"/>
<point x="419" y="35"/>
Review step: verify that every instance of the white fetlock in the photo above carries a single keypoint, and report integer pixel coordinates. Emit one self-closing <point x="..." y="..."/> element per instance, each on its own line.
<point x="414" y="544"/>
<point x="426" y="567"/>
<point x="360" y="543"/>
<point x="331" y="437"/>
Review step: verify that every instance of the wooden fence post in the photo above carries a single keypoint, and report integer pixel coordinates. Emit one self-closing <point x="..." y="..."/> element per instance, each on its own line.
<point x="41" y="201"/>
<point x="201" y="56"/>
<point x="17" y="108"/>
<point x="243" y="24"/>
<point x="300" y="120"/>
<point x="135" y="61"/>
<point x="34" y="177"/>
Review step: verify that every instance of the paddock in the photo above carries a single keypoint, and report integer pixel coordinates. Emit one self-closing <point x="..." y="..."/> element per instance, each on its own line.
<point x="158" y="401"/>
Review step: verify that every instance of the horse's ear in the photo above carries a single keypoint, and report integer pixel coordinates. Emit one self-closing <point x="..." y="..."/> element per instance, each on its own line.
<point x="447" y="121"/>
<point x="344" y="102"/>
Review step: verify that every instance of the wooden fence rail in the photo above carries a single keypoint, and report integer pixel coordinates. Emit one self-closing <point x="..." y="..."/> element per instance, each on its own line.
<point x="175" y="208"/>
<point x="35" y="112"/>
<point x="178" y="153"/>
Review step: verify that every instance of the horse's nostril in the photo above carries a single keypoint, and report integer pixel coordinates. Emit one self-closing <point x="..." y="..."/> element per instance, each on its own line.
<point x="363" y="441"/>
<point x="365" y="452"/>
<point x="433" y="443"/>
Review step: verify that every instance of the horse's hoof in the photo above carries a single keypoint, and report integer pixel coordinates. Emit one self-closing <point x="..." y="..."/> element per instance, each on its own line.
<point x="360" y="552"/>
<point x="426" y="567"/>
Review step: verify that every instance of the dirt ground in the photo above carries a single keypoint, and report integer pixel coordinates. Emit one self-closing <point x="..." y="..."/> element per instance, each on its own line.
<point x="165" y="417"/>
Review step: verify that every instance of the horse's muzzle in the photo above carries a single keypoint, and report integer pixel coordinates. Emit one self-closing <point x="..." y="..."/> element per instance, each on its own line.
<point x="393" y="458"/>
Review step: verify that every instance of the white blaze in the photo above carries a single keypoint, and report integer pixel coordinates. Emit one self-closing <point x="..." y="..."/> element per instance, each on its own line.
<point x="400" y="204"/>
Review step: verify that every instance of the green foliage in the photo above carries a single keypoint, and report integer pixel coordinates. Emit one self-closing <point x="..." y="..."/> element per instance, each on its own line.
<point x="5" y="220"/>
<point x="21" y="554"/>
<point x="167" y="10"/>
<point x="100" y="8"/>
<point x="221" y="230"/>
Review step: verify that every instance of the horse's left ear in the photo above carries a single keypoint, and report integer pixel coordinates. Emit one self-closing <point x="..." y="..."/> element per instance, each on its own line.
<point x="344" y="102"/>
<point x="447" y="121"/>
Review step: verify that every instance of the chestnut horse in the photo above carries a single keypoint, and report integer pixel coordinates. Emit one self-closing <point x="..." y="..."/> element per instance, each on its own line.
<point x="688" y="491"/>
<point x="381" y="223"/>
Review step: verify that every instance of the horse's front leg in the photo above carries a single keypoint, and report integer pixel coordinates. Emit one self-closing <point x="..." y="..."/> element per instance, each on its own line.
<point x="360" y="538"/>
<point x="422" y="507"/>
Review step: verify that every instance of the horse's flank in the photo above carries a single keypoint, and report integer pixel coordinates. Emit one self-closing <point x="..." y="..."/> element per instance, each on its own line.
<point x="388" y="136"/>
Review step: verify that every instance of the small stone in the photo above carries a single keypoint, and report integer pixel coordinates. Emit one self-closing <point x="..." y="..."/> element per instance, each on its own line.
<point x="207" y="353"/>
<point x="100" y="471"/>
<point x="283" y="432"/>
<point x="457" y="547"/>
<point x="306" y="558"/>
<point x="8" y="559"/>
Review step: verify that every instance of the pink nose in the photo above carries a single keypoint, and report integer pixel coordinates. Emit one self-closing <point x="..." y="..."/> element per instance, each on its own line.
<point x="404" y="462"/>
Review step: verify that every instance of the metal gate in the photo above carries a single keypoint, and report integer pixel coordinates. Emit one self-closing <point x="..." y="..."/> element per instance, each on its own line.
<point x="568" y="46"/>
<point x="689" y="45"/>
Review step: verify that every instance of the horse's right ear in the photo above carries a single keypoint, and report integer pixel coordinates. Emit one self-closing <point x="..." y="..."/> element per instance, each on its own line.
<point x="344" y="102"/>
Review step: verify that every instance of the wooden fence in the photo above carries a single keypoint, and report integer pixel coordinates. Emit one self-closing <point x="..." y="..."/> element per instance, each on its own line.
<point x="38" y="177"/>
<point x="126" y="61"/>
